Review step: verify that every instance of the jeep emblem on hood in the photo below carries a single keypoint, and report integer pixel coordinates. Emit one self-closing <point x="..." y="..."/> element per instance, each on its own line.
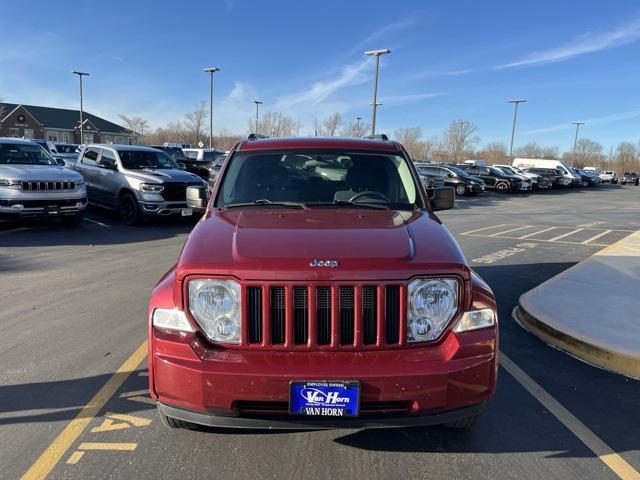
<point x="323" y="263"/>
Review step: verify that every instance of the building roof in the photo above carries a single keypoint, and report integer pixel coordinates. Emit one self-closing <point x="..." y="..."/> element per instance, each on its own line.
<point x="68" y="119"/>
<point x="339" y="143"/>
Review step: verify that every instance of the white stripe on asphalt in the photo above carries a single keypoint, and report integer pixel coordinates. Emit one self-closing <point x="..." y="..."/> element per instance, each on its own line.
<point x="595" y="237"/>
<point x="577" y="230"/>
<point x="485" y="228"/>
<point x="511" y="230"/>
<point x="536" y="233"/>
<point x="604" y="452"/>
<point x="96" y="222"/>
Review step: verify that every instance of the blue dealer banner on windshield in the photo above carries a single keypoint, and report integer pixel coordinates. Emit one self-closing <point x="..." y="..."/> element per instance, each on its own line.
<point x="324" y="398"/>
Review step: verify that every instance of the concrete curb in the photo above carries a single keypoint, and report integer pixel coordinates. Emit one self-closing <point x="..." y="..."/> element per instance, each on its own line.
<point x="588" y="352"/>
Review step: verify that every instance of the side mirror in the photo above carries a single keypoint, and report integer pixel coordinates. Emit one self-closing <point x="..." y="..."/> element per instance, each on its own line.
<point x="443" y="198"/>
<point x="197" y="196"/>
<point x="181" y="165"/>
<point x="60" y="161"/>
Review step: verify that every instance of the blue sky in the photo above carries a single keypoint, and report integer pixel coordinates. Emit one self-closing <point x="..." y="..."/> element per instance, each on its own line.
<point x="572" y="61"/>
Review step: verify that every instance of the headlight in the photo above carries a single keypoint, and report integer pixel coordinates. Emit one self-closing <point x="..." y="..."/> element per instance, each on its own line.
<point x="10" y="183"/>
<point x="432" y="305"/>
<point x="215" y="304"/>
<point x="475" y="320"/>
<point x="151" y="187"/>
<point x="171" y="320"/>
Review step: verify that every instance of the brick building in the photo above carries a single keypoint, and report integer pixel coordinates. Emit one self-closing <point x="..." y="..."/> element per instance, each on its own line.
<point x="60" y="125"/>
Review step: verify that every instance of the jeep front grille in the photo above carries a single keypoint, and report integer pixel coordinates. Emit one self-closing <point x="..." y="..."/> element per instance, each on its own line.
<point x="334" y="317"/>
<point x="47" y="185"/>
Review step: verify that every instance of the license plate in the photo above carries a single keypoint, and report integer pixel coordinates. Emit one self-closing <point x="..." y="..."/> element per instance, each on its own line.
<point x="52" y="210"/>
<point x="324" y="398"/>
<point x="187" y="212"/>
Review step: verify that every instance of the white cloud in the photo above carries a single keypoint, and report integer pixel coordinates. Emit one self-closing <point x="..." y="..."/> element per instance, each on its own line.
<point x="398" y="100"/>
<point x="583" y="44"/>
<point x="613" y="117"/>
<point x="381" y="33"/>
<point x="442" y="73"/>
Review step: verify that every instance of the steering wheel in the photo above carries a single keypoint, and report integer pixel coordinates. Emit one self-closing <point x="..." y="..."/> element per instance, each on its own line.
<point x="370" y="193"/>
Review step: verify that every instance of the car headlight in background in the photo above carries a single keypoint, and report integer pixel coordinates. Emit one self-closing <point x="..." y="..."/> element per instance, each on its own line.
<point x="215" y="305"/>
<point x="475" y="320"/>
<point x="432" y="305"/>
<point x="151" y="187"/>
<point x="171" y="320"/>
<point x="10" y="183"/>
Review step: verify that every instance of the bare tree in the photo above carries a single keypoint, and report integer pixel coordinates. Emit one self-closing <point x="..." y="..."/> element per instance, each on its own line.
<point x="351" y="129"/>
<point x="459" y="139"/>
<point x="533" y="150"/>
<point x="330" y="125"/>
<point x="410" y="138"/>
<point x="587" y="152"/>
<point x="276" y="124"/>
<point x="226" y="140"/>
<point x="195" y="121"/>
<point x="135" y="124"/>
<point x="493" y="153"/>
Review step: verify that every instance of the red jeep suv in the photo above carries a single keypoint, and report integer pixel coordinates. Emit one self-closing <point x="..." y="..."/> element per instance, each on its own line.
<point x="320" y="290"/>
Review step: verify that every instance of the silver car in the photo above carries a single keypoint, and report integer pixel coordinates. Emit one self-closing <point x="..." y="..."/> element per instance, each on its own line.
<point x="33" y="184"/>
<point x="137" y="181"/>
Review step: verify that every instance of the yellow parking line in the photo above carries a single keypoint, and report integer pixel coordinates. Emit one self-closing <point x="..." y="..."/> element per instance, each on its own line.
<point x="605" y="453"/>
<point x="96" y="222"/>
<point x="108" y="446"/>
<point x="595" y="237"/>
<point x="536" y="233"/>
<point x="56" y="449"/>
<point x="485" y="228"/>
<point x="577" y="230"/>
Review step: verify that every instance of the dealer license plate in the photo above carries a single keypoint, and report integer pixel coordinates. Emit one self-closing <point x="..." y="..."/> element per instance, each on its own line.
<point x="324" y="398"/>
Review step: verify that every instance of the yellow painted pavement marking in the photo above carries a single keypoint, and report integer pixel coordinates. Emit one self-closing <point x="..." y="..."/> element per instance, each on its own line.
<point x="108" y="425"/>
<point x="134" y="393"/>
<point x="108" y="446"/>
<point x="75" y="457"/>
<point x="56" y="449"/>
<point x="135" y="421"/>
<point x="577" y="230"/>
<point x="605" y="453"/>
<point x="595" y="237"/>
<point x="96" y="222"/>
<point x="536" y="233"/>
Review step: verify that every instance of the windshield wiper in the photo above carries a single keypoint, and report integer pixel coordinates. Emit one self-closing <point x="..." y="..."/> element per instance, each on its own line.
<point x="265" y="202"/>
<point x="339" y="203"/>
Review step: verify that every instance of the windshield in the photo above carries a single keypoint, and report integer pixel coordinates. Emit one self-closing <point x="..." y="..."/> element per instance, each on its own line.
<point x="66" y="148"/>
<point x="139" y="159"/>
<point x="318" y="178"/>
<point x="192" y="154"/>
<point x="24" y="154"/>
<point x="497" y="172"/>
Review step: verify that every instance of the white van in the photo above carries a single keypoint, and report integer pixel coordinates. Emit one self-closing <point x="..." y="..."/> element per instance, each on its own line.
<point x="569" y="177"/>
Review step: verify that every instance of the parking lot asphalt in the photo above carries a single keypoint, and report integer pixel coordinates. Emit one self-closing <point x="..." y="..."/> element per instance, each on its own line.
<point x="74" y="310"/>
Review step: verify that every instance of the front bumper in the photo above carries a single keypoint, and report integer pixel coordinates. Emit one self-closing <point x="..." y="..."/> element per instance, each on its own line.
<point x="306" y="423"/>
<point x="167" y="208"/>
<point x="38" y="205"/>
<point x="250" y="388"/>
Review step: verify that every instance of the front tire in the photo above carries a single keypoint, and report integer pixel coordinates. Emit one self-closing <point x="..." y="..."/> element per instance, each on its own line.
<point x="171" y="422"/>
<point x="464" y="423"/>
<point x="502" y="187"/>
<point x="129" y="209"/>
<point x="460" y="190"/>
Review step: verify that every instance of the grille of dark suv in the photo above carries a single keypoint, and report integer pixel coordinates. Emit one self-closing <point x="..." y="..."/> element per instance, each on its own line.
<point x="338" y="316"/>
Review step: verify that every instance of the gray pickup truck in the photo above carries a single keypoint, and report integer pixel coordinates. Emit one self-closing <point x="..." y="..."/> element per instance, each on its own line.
<point x="138" y="182"/>
<point x="33" y="184"/>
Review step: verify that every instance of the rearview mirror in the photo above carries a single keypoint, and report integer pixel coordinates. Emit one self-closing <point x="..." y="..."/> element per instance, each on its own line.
<point x="442" y="198"/>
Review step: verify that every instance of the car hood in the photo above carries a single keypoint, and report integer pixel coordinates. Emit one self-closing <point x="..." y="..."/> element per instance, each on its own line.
<point x="162" y="175"/>
<point x="38" y="172"/>
<point x="280" y="244"/>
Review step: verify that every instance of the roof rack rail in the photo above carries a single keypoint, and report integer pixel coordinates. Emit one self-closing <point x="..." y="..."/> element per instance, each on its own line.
<point x="377" y="136"/>
<point x="256" y="136"/>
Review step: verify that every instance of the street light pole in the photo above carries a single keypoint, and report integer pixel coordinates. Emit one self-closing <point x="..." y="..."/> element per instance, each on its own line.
<point x="513" y="128"/>
<point x="358" y="125"/>
<point x="211" y="71"/>
<point x="258" y="103"/>
<point x="376" y="53"/>
<point x="80" y="75"/>
<point x="575" y="141"/>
